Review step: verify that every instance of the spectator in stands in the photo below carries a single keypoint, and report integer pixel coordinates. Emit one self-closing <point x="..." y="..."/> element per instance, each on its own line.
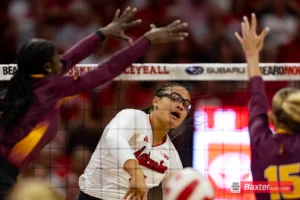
<point x="81" y="25"/>
<point x="282" y="24"/>
<point x="291" y="51"/>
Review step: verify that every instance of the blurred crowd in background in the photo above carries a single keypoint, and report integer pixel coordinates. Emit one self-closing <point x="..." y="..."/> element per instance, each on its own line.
<point x="212" y="24"/>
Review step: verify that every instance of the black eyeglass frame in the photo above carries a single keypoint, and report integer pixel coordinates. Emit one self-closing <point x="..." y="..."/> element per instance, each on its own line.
<point x="182" y="100"/>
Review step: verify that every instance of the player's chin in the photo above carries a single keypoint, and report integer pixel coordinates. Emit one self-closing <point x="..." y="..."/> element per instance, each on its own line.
<point x="174" y="124"/>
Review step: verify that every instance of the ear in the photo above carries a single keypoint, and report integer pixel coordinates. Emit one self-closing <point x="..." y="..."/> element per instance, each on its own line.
<point x="271" y="117"/>
<point x="155" y="102"/>
<point x="47" y="68"/>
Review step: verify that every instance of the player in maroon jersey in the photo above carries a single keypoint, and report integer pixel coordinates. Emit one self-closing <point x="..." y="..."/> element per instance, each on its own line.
<point x="275" y="157"/>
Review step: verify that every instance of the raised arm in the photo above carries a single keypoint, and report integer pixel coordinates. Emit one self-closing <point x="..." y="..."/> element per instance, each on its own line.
<point x="88" y="45"/>
<point x="81" y="50"/>
<point x="258" y="108"/>
<point x="68" y="86"/>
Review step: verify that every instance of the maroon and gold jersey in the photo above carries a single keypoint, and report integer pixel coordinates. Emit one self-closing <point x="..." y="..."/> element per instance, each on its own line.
<point x="275" y="157"/>
<point x="38" y="127"/>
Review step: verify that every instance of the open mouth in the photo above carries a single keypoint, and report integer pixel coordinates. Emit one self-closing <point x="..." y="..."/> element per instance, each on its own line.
<point x="176" y="114"/>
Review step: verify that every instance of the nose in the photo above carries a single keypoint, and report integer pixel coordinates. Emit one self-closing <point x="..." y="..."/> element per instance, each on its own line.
<point x="180" y="106"/>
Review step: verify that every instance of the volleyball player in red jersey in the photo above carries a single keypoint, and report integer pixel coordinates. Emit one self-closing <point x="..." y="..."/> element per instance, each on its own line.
<point x="29" y="112"/>
<point x="275" y="157"/>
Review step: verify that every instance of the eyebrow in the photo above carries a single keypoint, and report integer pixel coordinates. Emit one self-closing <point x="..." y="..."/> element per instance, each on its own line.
<point x="182" y="96"/>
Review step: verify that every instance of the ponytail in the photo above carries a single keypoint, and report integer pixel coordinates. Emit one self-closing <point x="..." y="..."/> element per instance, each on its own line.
<point x="32" y="57"/>
<point x="291" y="112"/>
<point x="16" y="100"/>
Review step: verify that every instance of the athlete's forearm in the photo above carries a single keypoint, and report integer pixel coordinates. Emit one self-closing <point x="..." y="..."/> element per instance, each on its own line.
<point x="81" y="50"/>
<point x="132" y="167"/>
<point x="106" y="71"/>
<point x="253" y="65"/>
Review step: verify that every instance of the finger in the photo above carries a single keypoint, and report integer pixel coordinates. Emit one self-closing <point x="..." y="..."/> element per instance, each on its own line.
<point x="138" y="196"/>
<point x="133" y="194"/>
<point x="125" y="13"/>
<point x="181" y="34"/>
<point x="117" y="14"/>
<point x="144" y="196"/>
<point x="132" y="24"/>
<point x="247" y="25"/>
<point x="175" y="23"/>
<point x="127" y="194"/>
<point x="126" y="38"/>
<point x="152" y="26"/>
<point x="243" y="29"/>
<point x="129" y="15"/>
<point x="238" y="37"/>
<point x="264" y="33"/>
<point x="179" y="27"/>
<point x="253" y="23"/>
<point x="176" y="39"/>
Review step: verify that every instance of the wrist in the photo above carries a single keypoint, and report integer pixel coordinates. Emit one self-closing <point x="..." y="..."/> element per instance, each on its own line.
<point x="137" y="173"/>
<point x="101" y="34"/>
<point x="252" y="59"/>
<point x="150" y="42"/>
<point x="251" y="55"/>
<point x="148" y="37"/>
<point x="132" y="167"/>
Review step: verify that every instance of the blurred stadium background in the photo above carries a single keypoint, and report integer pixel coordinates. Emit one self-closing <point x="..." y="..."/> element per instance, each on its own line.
<point x="211" y="26"/>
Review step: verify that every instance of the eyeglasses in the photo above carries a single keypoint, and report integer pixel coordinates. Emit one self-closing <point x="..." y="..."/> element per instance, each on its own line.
<point x="175" y="97"/>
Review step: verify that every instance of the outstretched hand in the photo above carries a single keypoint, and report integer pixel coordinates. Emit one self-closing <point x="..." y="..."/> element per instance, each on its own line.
<point x="250" y="41"/>
<point x="252" y="44"/>
<point x="172" y="32"/>
<point x="121" y="23"/>
<point x="138" y="188"/>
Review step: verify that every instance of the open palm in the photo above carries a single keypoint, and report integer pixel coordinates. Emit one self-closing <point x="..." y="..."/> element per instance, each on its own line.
<point x="250" y="41"/>
<point x="172" y="32"/>
<point x="121" y="23"/>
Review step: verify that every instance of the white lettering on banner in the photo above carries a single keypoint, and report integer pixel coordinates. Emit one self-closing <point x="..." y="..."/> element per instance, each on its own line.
<point x="147" y="69"/>
<point x="230" y="70"/>
<point x="168" y="72"/>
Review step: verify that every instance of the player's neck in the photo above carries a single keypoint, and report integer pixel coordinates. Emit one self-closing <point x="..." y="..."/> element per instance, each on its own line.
<point x="159" y="131"/>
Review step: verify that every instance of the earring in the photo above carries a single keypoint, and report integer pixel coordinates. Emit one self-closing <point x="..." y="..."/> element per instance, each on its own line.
<point x="49" y="70"/>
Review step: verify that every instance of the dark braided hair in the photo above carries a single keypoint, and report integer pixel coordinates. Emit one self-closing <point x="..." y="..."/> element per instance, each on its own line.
<point x="162" y="88"/>
<point x="32" y="57"/>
